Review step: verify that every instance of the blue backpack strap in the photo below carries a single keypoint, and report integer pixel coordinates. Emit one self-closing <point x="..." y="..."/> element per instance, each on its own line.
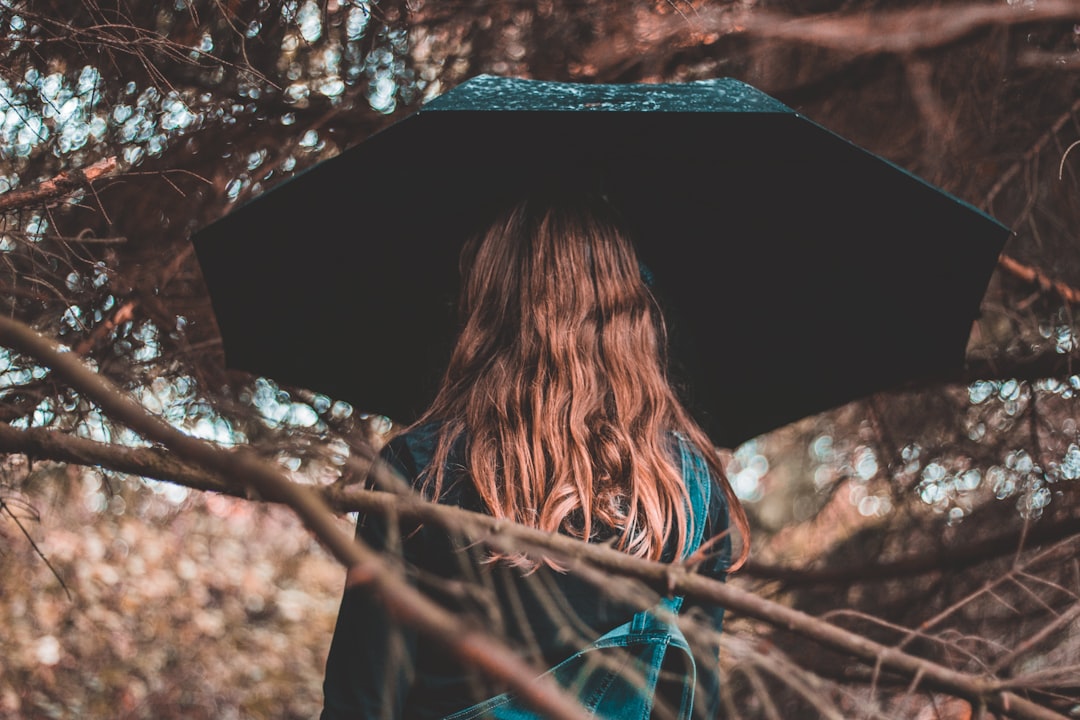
<point x="623" y="687"/>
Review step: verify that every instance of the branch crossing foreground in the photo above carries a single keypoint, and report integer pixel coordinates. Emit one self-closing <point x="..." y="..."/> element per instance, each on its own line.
<point x="202" y="465"/>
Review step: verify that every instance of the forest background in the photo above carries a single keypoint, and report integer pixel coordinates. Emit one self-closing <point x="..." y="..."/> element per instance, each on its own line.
<point x="915" y="553"/>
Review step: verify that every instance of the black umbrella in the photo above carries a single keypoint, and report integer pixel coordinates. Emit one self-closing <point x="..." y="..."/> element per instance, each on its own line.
<point x="798" y="271"/>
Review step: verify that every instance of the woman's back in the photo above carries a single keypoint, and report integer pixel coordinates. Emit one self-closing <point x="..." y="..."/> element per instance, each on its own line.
<point x="545" y="614"/>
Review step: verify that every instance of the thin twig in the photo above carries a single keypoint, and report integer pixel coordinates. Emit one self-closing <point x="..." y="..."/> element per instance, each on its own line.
<point x="37" y="550"/>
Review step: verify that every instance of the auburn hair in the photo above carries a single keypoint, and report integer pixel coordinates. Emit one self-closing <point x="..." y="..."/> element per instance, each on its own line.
<point x="558" y="384"/>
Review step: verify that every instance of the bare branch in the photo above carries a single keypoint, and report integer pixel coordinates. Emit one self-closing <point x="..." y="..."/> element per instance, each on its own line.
<point x="151" y="462"/>
<point x="897" y="32"/>
<point x="509" y="537"/>
<point x="404" y="603"/>
<point x="1059" y="624"/>
<point x="1033" y="275"/>
<point x="941" y="560"/>
<point x="5" y="509"/>
<point x="57" y="187"/>
<point x="904" y="31"/>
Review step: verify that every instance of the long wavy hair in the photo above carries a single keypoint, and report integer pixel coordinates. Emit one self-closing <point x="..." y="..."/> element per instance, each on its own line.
<point x="558" y="384"/>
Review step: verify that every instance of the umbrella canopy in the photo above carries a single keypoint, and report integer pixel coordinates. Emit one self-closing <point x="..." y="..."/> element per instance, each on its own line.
<point x="796" y="270"/>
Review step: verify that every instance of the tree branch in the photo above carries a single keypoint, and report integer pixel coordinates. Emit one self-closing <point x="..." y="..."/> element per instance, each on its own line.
<point x="56" y="187"/>
<point x="403" y="603"/>
<point x="897" y="32"/>
<point x="680" y="580"/>
<point x="154" y="463"/>
<point x="1037" y="367"/>
<point x="1033" y="275"/>
<point x="903" y="31"/>
<point x="941" y="560"/>
<point x="509" y="537"/>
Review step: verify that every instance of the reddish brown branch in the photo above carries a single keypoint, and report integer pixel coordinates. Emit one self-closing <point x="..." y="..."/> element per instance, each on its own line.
<point x="899" y="32"/>
<point x="943" y="560"/>
<point x="152" y="463"/>
<point x="508" y="537"/>
<point x="63" y="184"/>
<point x="403" y="603"/>
<point x="1045" y="365"/>
<point x="1037" y="277"/>
<point x="680" y="580"/>
<point x="904" y="31"/>
<point x="123" y="313"/>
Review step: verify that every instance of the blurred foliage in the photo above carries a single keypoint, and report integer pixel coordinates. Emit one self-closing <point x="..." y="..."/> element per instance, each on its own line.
<point x="171" y="605"/>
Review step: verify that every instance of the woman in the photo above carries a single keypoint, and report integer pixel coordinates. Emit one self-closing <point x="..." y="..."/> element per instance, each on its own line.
<point x="555" y="412"/>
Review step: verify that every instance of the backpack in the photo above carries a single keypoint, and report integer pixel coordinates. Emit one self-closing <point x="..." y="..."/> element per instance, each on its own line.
<point x="615" y="684"/>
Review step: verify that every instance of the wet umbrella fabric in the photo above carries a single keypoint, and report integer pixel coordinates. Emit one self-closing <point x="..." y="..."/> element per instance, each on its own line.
<point x="797" y="271"/>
